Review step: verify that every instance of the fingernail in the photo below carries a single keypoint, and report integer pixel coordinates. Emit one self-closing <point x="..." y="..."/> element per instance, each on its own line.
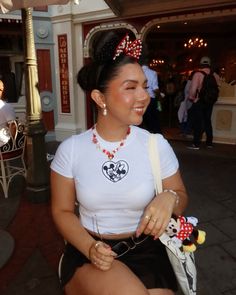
<point x="107" y="246"/>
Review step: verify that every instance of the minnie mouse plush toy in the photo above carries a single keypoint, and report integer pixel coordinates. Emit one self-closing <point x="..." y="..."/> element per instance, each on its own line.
<point x="184" y="234"/>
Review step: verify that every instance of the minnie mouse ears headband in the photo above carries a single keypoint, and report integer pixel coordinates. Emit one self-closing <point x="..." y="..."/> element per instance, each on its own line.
<point x="127" y="47"/>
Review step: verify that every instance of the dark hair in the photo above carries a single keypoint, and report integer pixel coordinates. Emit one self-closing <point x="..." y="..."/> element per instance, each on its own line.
<point x="102" y="68"/>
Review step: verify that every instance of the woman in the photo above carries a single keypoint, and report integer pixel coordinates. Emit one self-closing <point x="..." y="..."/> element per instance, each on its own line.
<point x="113" y="246"/>
<point x="7" y="115"/>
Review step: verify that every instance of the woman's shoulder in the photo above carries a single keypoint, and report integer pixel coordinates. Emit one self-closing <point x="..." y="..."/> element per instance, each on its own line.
<point x="75" y="140"/>
<point x="146" y="134"/>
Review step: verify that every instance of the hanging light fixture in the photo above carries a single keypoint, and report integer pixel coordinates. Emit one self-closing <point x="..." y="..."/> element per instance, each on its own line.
<point x="195" y="43"/>
<point x="156" y="62"/>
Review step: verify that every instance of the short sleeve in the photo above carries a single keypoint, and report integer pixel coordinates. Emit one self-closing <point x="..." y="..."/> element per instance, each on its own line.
<point x="168" y="160"/>
<point x="62" y="162"/>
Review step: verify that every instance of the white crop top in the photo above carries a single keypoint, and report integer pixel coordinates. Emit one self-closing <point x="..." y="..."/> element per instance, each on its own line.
<point x="112" y="194"/>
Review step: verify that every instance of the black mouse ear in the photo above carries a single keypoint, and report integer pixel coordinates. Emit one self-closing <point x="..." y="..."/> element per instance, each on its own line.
<point x="175" y="217"/>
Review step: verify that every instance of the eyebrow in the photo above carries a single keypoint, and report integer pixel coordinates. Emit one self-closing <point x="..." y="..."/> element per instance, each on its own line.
<point x="134" y="81"/>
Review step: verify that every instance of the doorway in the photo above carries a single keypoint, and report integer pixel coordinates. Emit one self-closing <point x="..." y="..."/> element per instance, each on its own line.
<point x="176" y="48"/>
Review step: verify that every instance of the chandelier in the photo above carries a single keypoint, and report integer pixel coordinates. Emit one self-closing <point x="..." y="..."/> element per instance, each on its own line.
<point x="156" y="62"/>
<point x="195" y="43"/>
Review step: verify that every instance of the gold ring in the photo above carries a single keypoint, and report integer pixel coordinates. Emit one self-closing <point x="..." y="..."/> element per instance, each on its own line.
<point x="97" y="245"/>
<point x="147" y="217"/>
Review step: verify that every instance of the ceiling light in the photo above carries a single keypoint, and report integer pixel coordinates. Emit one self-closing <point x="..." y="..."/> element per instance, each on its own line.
<point x="156" y="62"/>
<point x="195" y="42"/>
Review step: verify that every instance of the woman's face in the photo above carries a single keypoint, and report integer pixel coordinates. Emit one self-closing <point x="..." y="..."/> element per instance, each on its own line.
<point x="126" y="97"/>
<point x="1" y="88"/>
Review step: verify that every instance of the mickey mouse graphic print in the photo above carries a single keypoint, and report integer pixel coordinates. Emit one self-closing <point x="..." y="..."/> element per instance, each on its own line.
<point x="115" y="171"/>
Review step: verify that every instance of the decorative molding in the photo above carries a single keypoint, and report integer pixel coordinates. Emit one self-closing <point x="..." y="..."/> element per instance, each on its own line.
<point x="93" y="16"/>
<point x="83" y="17"/>
<point x="186" y="17"/>
<point x="47" y="101"/>
<point x="42" y="32"/>
<point x="60" y="8"/>
<point x="61" y="18"/>
<point x="104" y="27"/>
<point x="11" y="17"/>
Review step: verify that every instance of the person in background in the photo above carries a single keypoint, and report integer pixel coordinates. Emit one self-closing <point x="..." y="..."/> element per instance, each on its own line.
<point x="183" y="111"/>
<point x="168" y="104"/>
<point x="201" y="114"/>
<point x="7" y="114"/>
<point x="113" y="241"/>
<point x="151" y="118"/>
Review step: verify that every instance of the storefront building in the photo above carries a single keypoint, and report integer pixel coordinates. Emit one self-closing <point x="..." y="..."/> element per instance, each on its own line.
<point x="12" y="63"/>
<point x="63" y="46"/>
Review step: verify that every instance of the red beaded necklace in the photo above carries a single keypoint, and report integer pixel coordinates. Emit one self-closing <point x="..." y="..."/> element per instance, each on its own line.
<point x="109" y="154"/>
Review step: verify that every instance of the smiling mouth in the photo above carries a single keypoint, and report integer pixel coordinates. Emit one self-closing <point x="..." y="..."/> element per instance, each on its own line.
<point x="139" y="110"/>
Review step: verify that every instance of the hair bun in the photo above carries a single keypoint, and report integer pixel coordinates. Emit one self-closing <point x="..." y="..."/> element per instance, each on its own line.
<point x="105" y="46"/>
<point x="87" y="76"/>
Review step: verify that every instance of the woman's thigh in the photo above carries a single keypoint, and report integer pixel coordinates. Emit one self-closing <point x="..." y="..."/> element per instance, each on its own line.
<point x="88" y="280"/>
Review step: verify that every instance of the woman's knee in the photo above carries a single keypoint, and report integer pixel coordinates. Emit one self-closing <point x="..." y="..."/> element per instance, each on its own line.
<point x="125" y="282"/>
<point x="118" y="280"/>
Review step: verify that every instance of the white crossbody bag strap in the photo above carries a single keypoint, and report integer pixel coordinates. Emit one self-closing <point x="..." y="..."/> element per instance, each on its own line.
<point x="155" y="162"/>
<point x="182" y="263"/>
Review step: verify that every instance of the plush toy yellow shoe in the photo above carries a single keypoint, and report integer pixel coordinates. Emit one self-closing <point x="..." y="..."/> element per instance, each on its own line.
<point x="189" y="248"/>
<point x="201" y="237"/>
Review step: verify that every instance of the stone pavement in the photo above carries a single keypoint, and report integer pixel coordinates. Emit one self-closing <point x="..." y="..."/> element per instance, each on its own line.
<point x="210" y="178"/>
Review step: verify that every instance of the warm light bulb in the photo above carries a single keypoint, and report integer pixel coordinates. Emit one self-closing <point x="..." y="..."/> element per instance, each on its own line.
<point x="195" y="42"/>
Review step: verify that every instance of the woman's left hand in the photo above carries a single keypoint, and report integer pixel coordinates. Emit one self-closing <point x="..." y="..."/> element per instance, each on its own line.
<point x="157" y="215"/>
<point x="101" y="255"/>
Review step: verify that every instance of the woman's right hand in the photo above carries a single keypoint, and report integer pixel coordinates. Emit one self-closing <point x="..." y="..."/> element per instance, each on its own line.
<point x="101" y="255"/>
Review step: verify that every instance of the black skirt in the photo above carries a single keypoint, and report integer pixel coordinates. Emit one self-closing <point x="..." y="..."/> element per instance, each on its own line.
<point x="148" y="261"/>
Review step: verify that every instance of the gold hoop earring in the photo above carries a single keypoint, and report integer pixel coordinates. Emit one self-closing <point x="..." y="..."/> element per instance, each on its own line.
<point x="104" y="111"/>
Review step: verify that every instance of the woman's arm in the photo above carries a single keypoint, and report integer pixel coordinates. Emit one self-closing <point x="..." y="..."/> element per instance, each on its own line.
<point x="69" y="225"/>
<point x="63" y="207"/>
<point x="175" y="183"/>
<point x="158" y="212"/>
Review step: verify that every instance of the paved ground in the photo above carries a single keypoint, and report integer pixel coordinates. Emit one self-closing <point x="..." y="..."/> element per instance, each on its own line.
<point x="210" y="177"/>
